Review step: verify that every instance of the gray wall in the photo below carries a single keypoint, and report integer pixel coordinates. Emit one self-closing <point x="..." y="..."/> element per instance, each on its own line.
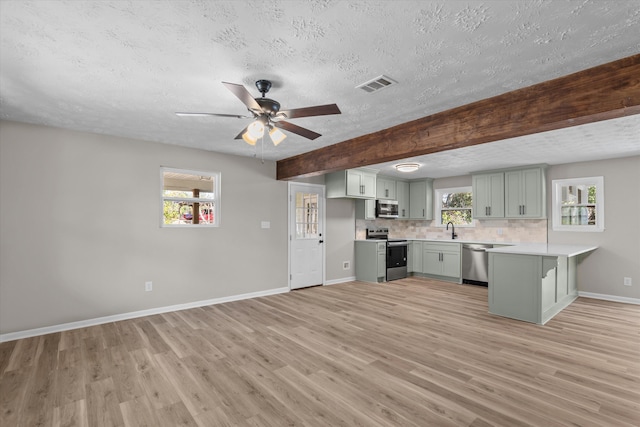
<point x="618" y="255"/>
<point x="80" y="234"/>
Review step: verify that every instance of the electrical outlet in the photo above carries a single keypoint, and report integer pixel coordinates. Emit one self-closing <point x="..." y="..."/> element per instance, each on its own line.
<point x="346" y="265"/>
<point x="148" y="286"/>
<point x="627" y="281"/>
<point x="499" y="231"/>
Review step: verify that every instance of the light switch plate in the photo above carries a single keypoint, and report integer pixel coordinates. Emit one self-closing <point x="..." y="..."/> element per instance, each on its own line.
<point x="265" y="224"/>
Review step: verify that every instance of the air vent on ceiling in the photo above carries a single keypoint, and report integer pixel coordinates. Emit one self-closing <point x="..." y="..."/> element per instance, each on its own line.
<point x="376" y="84"/>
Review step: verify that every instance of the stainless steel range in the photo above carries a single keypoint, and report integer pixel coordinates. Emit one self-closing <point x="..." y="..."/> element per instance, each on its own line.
<point x="396" y="253"/>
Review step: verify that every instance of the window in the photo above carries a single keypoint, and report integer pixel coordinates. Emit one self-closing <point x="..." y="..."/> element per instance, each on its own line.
<point x="190" y="198"/>
<point x="306" y="215"/>
<point x="578" y="204"/>
<point x="454" y="205"/>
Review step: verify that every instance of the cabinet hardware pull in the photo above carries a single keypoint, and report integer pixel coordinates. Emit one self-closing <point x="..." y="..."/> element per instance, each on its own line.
<point x="486" y="210"/>
<point x="523" y="210"/>
<point x="423" y="212"/>
<point x="489" y="210"/>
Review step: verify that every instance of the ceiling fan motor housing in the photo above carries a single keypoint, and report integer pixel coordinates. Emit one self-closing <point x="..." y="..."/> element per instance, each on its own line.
<point x="269" y="106"/>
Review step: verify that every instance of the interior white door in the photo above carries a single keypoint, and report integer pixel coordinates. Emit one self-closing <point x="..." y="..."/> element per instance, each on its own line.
<point x="306" y="235"/>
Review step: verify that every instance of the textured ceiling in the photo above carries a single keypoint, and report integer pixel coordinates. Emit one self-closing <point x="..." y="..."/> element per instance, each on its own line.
<point x="124" y="67"/>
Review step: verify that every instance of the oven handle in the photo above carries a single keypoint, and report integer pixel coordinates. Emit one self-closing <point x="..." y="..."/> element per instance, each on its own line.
<point x="397" y="244"/>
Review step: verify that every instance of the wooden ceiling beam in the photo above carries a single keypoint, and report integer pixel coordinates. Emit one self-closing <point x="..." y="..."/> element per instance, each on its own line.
<point x="604" y="92"/>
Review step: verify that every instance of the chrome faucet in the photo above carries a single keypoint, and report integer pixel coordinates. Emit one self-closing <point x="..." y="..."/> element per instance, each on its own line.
<point x="453" y="230"/>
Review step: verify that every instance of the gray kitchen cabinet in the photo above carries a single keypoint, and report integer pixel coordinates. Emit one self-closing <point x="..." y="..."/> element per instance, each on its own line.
<point x="402" y="194"/>
<point x="441" y="260"/>
<point x="488" y="195"/>
<point x="421" y="199"/>
<point x="414" y="257"/>
<point x="366" y="209"/>
<point x="385" y="188"/>
<point x="544" y="286"/>
<point x="353" y="183"/>
<point x="370" y="260"/>
<point x="525" y="193"/>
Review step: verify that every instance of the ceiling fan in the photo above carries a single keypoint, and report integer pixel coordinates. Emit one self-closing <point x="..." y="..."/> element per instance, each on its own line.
<point x="267" y="115"/>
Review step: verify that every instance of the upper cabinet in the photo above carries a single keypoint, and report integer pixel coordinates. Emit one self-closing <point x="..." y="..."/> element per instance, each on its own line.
<point x="385" y="188"/>
<point x="525" y="193"/>
<point x="402" y="194"/>
<point x="488" y="195"/>
<point x="421" y="199"/>
<point x="355" y="183"/>
<point x="515" y="193"/>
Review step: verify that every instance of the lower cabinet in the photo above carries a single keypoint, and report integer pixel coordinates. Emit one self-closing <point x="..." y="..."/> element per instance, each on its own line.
<point x="414" y="261"/>
<point x="441" y="260"/>
<point x="371" y="260"/>
<point x="532" y="288"/>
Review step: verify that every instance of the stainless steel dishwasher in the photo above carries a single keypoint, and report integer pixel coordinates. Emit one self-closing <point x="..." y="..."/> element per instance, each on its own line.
<point x="475" y="264"/>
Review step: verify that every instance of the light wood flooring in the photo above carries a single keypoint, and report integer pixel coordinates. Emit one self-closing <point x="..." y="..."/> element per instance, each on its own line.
<point x="413" y="352"/>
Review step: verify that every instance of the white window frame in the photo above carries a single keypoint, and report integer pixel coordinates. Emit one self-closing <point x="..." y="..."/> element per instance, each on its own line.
<point x="438" y="205"/>
<point x="216" y="200"/>
<point x="556" y="199"/>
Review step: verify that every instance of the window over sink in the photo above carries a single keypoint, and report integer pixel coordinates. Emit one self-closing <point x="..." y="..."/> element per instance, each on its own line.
<point x="578" y="204"/>
<point x="454" y="205"/>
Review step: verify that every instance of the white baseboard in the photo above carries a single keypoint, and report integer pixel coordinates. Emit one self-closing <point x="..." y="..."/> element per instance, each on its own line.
<point x="132" y="315"/>
<point x="609" y="297"/>
<point x="336" y="281"/>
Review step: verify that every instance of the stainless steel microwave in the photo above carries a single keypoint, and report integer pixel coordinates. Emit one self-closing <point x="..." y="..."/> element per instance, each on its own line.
<point x="387" y="208"/>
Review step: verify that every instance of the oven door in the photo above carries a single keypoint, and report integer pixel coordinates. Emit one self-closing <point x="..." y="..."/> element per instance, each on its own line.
<point x="396" y="260"/>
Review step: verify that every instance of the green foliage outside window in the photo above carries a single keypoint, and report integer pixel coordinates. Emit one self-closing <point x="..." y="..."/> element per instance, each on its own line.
<point x="456" y="208"/>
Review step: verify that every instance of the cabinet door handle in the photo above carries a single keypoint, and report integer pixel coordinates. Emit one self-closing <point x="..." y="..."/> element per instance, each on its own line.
<point x="523" y="210"/>
<point x="489" y="210"/>
<point x="423" y="212"/>
<point x="386" y="192"/>
<point x="486" y="210"/>
<point x="403" y="213"/>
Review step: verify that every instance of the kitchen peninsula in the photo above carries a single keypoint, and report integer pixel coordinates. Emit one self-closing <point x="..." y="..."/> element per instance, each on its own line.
<point x="533" y="282"/>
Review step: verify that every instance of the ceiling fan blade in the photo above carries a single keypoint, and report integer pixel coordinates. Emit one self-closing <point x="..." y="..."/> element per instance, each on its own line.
<point x="243" y="95"/>
<point x="318" y="110"/>
<point x="309" y="134"/>
<point x="239" y="136"/>
<point x="211" y="114"/>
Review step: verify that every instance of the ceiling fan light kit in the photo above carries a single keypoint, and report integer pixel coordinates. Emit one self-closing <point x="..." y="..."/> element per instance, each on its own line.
<point x="277" y="136"/>
<point x="407" y="167"/>
<point x="267" y="114"/>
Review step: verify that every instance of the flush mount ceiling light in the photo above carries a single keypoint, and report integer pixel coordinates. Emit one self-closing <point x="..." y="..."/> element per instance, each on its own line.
<point x="407" y="167"/>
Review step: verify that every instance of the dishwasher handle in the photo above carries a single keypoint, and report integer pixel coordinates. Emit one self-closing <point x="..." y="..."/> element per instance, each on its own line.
<point x="477" y="248"/>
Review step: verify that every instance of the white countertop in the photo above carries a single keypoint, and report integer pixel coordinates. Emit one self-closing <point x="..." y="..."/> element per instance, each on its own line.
<point x="544" y="249"/>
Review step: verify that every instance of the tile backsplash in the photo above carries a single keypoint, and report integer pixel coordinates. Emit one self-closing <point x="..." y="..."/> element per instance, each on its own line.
<point x="505" y="230"/>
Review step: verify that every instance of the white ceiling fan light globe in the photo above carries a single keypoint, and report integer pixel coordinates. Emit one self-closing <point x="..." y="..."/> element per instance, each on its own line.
<point x="249" y="139"/>
<point x="277" y="136"/>
<point x="256" y="129"/>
